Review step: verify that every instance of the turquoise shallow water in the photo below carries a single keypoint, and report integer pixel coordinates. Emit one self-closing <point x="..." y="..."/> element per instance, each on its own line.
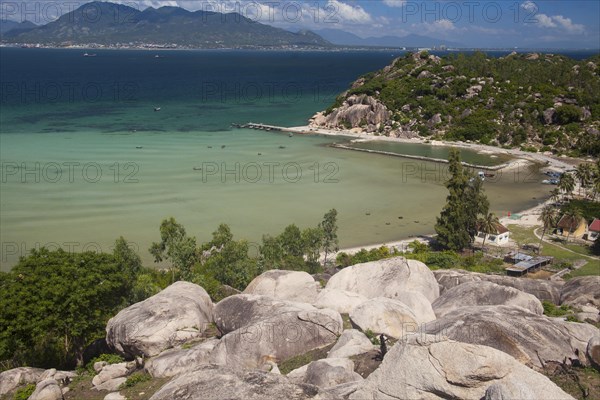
<point x="73" y="174"/>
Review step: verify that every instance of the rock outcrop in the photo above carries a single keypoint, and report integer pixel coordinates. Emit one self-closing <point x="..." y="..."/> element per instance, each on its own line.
<point x="285" y="285"/>
<point x="278" y="337"/>
<point x="213" y="382"/>
<point x="529" y="338"/>
<point x="356" y="111"/>
<point x="593" y="352"/>
<point x="237" y="311"/>
<point x="339" y="300"/>
<point x="178" y="361"/>
<point x="382" y="315"/>
<point x="484" y="294"/>
<point x="387" y="278"/>
<point x="428" y="367"/>
<point x="543" y="290"/>
<point x="11" y="379"/>
<point x="178" y="314"/>
<point x="47" y="389"/>
<point x="331" y="372"/>
<point x="352" y="342"/>
<point x="581" y="291"/>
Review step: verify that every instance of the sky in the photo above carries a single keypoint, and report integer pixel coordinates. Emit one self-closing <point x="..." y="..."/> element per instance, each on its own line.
<point x="523" y="23"/>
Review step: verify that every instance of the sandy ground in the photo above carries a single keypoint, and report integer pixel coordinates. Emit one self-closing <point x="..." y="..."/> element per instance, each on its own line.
<point x="529" y="217"/>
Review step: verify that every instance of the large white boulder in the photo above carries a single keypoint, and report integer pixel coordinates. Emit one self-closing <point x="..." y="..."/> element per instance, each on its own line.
<point x="113" y="371"/>
<point x="418" y="304"/>
<point x="285" y="285"/>
<point x="382" y="315"/>
<point x="12" y="378"/>
<point x="581" y="291"/>
<point x="47" y="389"/>
<point x="330" y="372"/>
<point x="485" y="294"/>
<point x="212" y="382"/>
<point x="527" y="337"/>
<point x="543" y="290"/>
<point x="341" y="301"/>
<point x="237" y="311"/>
<point x="387" y="278"/>
<point x="279" y="337"/>
<point x="178" y="314"/>
<point x="178" y="361"/>
<point x="352" y="342"/>
<point x="432" y="367"/>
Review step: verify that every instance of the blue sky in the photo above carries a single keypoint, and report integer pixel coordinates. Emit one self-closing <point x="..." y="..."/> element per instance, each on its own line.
<point x="563" y="23"/>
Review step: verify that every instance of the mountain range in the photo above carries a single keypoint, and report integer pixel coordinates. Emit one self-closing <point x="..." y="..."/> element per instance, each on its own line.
<point x="106" y="23"/>
<point x="7" y="25"/>
<point x="343" y="38"/>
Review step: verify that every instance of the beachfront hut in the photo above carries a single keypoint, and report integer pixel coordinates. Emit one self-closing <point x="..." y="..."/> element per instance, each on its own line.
<point x="499" y="237"/>
<point x="571" y="227"/>
<point x="594" y="230"/>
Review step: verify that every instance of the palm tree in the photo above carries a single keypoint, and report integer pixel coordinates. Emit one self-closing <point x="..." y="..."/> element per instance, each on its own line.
<point x="548" y="217"/>
<point x="574" y="215"/>
<point x="584" y="175"/>
<point x="555" y="195"/>
<point x="488" y="224"/>
<point x="566" y="183"/>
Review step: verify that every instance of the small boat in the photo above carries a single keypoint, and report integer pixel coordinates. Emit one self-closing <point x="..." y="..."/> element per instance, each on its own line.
<point x="291" y="135"/>
<point x="197" y="168"/>
<point x="489" y="175"/>
<point x="89" y="55"/>
<point x="139" y="147"/>
<point x="157" y="56"/>
<point x="156" y="108"/>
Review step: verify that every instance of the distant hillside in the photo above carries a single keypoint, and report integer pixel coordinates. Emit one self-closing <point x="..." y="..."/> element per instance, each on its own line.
<point x="340" y="37"/>
<point x="7" y="26"/>
<point x="111" y="24"/>
<point x="539" y="102"/>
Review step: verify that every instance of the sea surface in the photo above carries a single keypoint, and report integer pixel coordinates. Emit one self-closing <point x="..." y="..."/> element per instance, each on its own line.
<point x="93" y="148"/>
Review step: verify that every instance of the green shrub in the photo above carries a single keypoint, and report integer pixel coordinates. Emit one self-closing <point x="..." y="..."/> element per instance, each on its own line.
<point x="135" y="378"/>
<point x="24" y="392"/>
<point x="373" y="337"/>
<point x="552" y="310"/>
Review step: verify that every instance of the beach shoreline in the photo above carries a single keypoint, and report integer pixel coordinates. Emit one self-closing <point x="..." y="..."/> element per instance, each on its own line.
<point x="527" y="217"/>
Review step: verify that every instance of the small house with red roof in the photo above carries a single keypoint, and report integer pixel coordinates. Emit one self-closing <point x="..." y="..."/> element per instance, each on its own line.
<point x="594" y="229"/>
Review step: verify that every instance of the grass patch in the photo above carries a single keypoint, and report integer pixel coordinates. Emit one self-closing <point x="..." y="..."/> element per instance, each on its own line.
<point x="553" y="310"/>
<point x="591" y="268"/>
<point x="577" y="379"/>
<point x="523" y="235"/>
<point x="303" y="359"/>
<point x="346" y="322"/>
<point x="135" y="379"/>
<point x="24" y="392"/>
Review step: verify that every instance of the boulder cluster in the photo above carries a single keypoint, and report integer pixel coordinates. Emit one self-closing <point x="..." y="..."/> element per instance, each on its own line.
<point x="449" y="334"/>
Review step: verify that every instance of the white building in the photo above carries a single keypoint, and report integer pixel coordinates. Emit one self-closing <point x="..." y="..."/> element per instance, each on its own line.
<point x="499" y="237"/>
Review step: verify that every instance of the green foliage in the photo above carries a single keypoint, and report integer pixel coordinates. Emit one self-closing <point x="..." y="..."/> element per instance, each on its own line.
<point x="567" y="114"/>
<point x="345" y="260"/>
<point x="373" y="337"/>
<point x="329" y="228"/>
<point x="134" y="379"/>
<point x="552" y="310"/>
<point x="24" y="392"/>
<point x="54" y="303"/>
<point x="588" y="209"/>
<point x="509" y="108"/>
<point x="175" y="246"/>
<point x="457" y="224"/>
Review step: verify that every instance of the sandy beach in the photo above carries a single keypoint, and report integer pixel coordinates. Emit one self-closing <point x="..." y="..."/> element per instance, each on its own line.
<point x="528" y="217"/>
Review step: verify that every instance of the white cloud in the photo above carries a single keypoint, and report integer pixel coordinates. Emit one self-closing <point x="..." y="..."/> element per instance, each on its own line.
<point x="529" y="6"/>
<point x="551" y="21"/>
<point x="394" y="3"/>
<point x="568" y="25"/>
<point x="440" y="26"/>
<point x="347" y="12"/>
